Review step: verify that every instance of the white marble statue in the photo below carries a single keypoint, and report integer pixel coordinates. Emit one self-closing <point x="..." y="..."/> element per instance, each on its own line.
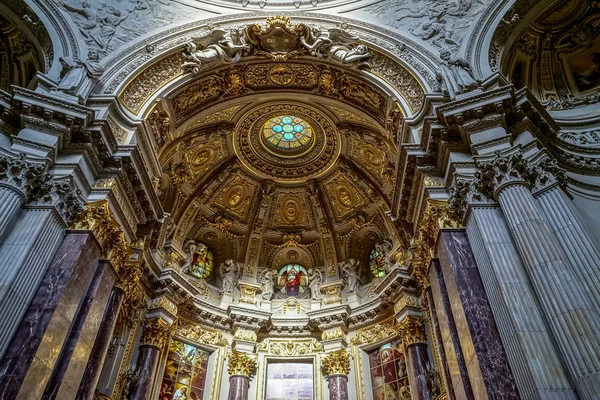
<point x="231" y="272"/>
<point x="337" y="44"/>
<point x="218" y="46"/>
<point x="350" y="271"/>
<point x="78" y="77"/>
<point x="315" y="279"/>
<point x="267" y="283"/>
<point x="455" y="74"/>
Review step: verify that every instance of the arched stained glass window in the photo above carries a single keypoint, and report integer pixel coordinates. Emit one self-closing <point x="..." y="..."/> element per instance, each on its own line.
<point x="377" y="264"/>
<point x="287" y="132"/>
<point x="200" y="261"/>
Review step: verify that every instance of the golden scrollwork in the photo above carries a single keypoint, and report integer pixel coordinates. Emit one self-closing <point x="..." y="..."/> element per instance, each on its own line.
<point x="376" y="333"/>
<point x="333" y="334"/>
<point x="412" y="330"/>
<point x="199" y="334"/>
<point x="344" y="197"/>
<point x="289" y="347"/>
<point x="336" y="363"/>
<point x="332" y="294"/>
<point x="248" y="293"/>
<point x="156" y="333"/>
<point x="245" y="335"/>
<point x="239" y="363"/>
<point x="235" y="195"/>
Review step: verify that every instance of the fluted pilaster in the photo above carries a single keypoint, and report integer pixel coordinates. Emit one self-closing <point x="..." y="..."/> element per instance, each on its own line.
<point x="10" y="204"/>
<point x="570" y="312"/>
<point x="529" y="347"/>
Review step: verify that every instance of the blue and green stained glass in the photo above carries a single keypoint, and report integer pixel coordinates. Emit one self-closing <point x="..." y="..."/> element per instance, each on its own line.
<point x="287" y="132"/>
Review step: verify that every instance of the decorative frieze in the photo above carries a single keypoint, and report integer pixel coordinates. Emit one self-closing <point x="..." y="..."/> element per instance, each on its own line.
<point x="245" y="335"/>
<point x="239" y="363"/>
<point x="376" y="333"/>
<point x="199" y="334"/>
<point x="336" y="363"/>
<point x="333" y="334"/>
<point x="289" y="347"/>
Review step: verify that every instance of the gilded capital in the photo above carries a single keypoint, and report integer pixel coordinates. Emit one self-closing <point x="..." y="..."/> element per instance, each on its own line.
<point x="156" y="333"/>
<point x="129" y="276"/>
<point x="336" y="363"/>
<point x="240" y="363"/>
<point x="412" y="330"/>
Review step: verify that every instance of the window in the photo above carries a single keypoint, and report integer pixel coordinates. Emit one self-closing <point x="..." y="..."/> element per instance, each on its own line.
<point x="292" y="280"/>
<point x="377" y="263"/>
<point x="289" y="381"/>
<point x="185" y="372"/>
<point x="389" y="378"/>
<point x="201" y="263"/>
<point x="287" y="132"/>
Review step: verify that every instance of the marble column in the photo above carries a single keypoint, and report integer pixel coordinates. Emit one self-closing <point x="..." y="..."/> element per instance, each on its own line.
<point x="241" y="366"/>
<point x="579" y="244"/>
<point x="571" y="313"/>
<point x="25" y="252"/>
<point x="156" y="334"/>
<point x="531" y="352"/>
<point x="457" y="368"/>
<point x="95" y="362"/>
<point x="412" y="332"/>
<point x="11" y="201"/>
<point x="485" y="358"/>
<point x="336" y="367"/>
<point x="28" y="362"/>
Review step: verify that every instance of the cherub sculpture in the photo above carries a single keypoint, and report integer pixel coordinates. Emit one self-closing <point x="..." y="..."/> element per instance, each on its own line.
<point x="218" y="46"/>
<point x="337" y="44"/>
<point x="315" y="278"/>
<point x="350" y="271"/>
<point x="267" y="283"/>
<point x="456" y="74"/>
<point x="231" y="272"/>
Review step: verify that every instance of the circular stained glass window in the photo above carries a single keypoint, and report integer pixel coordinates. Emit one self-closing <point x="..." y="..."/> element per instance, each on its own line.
<point x="287" y="132"/>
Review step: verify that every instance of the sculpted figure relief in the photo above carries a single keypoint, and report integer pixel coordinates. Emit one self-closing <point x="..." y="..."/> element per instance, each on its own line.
<point x="231" y="272"/>
<point x="218" y="46"/>
<point x="267" y="283"/>
<point x="456" y="75"/>
<point x="350" y="271"/>
<point x="78" y="77"/>
<point x="315" y="279"/>
<point x="338" y="45"/>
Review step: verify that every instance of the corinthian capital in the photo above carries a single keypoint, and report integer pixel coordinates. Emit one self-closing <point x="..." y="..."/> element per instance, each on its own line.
<point x="412" y="330"/>
<point x="156" y="333"/>
<point x="336" y="363"/>
<point x="239" y="363"/>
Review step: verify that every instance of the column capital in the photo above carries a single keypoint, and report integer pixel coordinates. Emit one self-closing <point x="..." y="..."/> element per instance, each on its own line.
<point x="156" y="333"/>
<point x="412" y="330"/>
<point x="240" y="363"/>
<point x="336" y="363"/>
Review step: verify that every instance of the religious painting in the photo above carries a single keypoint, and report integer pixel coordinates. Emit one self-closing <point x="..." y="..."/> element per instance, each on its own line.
<point x="289" y="381"/>
<point x="389" y="377"/>
<point x="586" y="69"/>
<point x="199" y="260"/>
<point x="185" y="373"/>
<point x="292" y="280"/>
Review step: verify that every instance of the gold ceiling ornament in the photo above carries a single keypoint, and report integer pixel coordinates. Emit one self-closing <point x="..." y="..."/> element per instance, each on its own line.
<point x="291" y="210"/>
<point x="277" y="40"/>
<point x="223" y="115"/>
<point x="412" y="330"/>
<point x="278" y="164"/>
<point x="438" y="215"/>
<point x="199" y="334"/>
<point x="291" y="240"/>
<point x="157" y="333"/>
<point x="379" y="332"/>
<point x="245" y="335"/>
<point x="239" y="363"/>
<point x="289" y="347"/>
<point x="336" y="363"/>
<point x="345" y="199"/>
<point x="235" y="195"/>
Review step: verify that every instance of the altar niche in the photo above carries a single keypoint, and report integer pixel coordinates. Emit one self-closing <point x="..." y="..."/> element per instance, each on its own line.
<point x="292" y="280"/>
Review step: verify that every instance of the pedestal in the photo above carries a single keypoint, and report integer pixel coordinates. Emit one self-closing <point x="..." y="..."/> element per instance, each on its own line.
<point x="145" y="371"/>
<point x="226" y="299"/>
<point x="352" y="299"/>
<point x="238" y="387"/>
<point x="101" y="345"/>
<point x="338" y="387"/>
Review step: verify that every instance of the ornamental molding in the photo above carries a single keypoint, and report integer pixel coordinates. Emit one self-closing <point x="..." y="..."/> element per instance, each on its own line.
<point x="384" y="330"/>
<point x="289" y="347"/>
<point x="336" y="363"/>
<point x="239" y="363"/>
<point x="200" y="334"/>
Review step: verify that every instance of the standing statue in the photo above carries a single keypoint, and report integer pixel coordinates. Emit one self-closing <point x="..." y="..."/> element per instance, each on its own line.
<point x="337" y="44"/>
<point x="78" y="77"/>
<point x="230" y="272"/>
<point x="456" y="75"/>
<point x="350" y="270"/>
<point x="315" y="278"/>
<point x="267" y="283"/>
<point x="218" y="46"/>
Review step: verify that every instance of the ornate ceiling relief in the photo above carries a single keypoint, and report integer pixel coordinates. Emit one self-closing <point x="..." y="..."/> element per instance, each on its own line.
<point x="236" y="195"/>
<point x="291" y="210"/>
<point x="344" y="197"/>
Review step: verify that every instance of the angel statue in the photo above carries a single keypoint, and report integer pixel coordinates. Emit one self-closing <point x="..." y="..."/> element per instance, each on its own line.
<point x="350" y="270"/>
<point x="456" y="74"/>
<point x="230" y="272"/>
<point x="267" y="283"/>
<point x="336" y="44"/>
<point x="315" y="278"/>
<point x="218" y="46"/>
